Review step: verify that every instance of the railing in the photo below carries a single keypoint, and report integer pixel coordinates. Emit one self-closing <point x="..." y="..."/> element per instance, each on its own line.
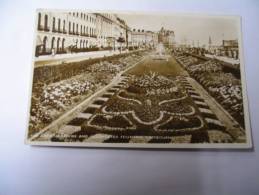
<point x="46" y="29"/>
<point x="54" y="30"/>
<point x="85" y="49"/>
<point x="42" y="51"/>
<point x="40" y="27"/>
<point x="61" y="52"/>
<point x="43" y="28"/>
<point x="85" y="35"/>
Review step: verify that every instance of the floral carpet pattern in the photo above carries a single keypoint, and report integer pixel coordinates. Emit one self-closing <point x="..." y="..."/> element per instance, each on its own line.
<point x="148" y="105"/>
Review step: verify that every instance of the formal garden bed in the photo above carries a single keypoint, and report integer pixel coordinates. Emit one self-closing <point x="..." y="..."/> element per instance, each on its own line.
<point x="138" y="113"/>
<point x="225" y="87"/>
<point x="51" y="100"/>
<point x="151" y="105"/>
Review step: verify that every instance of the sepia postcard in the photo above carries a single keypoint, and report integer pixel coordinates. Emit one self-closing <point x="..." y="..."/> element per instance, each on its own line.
<point x="138" y="80"/>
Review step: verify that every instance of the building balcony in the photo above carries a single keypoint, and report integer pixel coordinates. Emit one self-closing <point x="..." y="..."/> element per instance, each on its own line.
<point x="42" y="51"/>
<point x="58" y="31"/>
<point x="84" y="34"/>
<point x="54" y="30"/>
<point x="43" y="28"/>
<point x="93" y="36"/>
<point x="61" y="51"/>
<point x="46" y="29"/>
<point x="89" y="49"/>
<point x="73" y="33"/>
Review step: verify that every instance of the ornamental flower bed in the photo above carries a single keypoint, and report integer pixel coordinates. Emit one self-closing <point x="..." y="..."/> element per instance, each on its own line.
<point x="110" y="122"/>
<point x="209" y="66"/>
<point x="137" y="113"/>
<point x="225" y="87"/>
<point x="180" y="123"/>
<point x="56" y="98"/>
<point x="187" y="61"/>
<point x="147" y="108"/>
<point x="58" y="95"/>
<point x="49" y="101"/>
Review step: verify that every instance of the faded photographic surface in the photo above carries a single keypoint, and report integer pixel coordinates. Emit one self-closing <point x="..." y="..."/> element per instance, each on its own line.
<point x="138" y="80"/>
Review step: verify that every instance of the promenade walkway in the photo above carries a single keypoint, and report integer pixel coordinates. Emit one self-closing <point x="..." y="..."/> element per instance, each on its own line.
<point x="74" y="57"/>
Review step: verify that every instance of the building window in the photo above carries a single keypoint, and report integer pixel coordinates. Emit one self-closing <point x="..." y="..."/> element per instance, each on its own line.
<point x="64" y="26"/>
<point x="69" y="27"/>
<point x="53" y="24"/>
<point x="81" y="29"/>
<point x="46" y="22"/>
<point x="58" y="44"/>
<point x="44" y="44"/>
<point x="63" y="44"/>
<point x="73" y="28"/>
<point x="59" y="25"/>
<point x="76" y="28"/>
<point x="39" y="21"/>
<point x="52" y="43"/>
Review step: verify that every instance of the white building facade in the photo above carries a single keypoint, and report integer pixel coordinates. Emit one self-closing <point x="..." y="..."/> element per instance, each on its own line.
<point x="142" y="38"/>
<point x="69" y="32"/>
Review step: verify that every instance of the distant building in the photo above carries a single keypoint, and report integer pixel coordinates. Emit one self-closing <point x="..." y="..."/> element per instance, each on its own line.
<point x="167" y="37"/>
<point x="230" y="44"/>
<point x="142" y="38"/>
<point x="230" y="48"/>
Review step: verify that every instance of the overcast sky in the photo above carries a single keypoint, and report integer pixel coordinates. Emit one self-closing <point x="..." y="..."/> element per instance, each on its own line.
<point x="189" y="28"/>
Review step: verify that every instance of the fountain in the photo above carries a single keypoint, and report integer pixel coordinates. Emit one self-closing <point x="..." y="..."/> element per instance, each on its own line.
<point x="160" y="50"/>
<point x="160" y="53"/>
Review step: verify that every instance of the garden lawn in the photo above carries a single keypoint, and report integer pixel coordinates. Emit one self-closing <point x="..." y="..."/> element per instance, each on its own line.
<point x="162" y="67"/>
